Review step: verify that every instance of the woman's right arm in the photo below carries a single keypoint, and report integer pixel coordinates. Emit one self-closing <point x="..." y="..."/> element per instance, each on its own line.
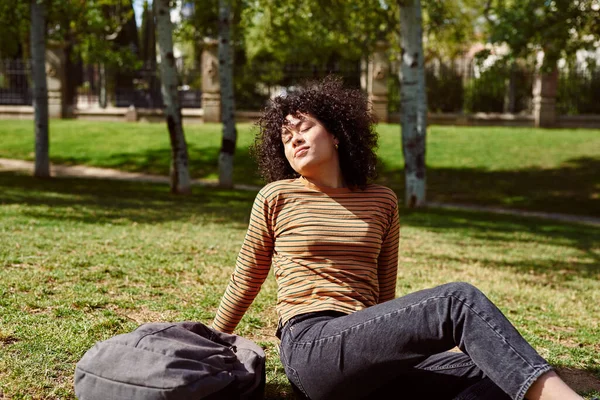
<point x="251" y="268"/>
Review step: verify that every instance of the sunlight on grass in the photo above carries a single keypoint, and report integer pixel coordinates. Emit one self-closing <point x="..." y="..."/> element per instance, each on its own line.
<point x="520" y="168"/>
<point x="83" y="260"/>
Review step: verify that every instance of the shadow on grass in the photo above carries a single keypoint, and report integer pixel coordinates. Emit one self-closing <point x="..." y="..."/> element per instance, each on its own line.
<point x="203" y="162"/>
<point x="120" y="202"/>
<point x="509" y="231"/>
<point x="274" y="391"/>
<point x="574" y="188"/>
<point x="104" y="201"/>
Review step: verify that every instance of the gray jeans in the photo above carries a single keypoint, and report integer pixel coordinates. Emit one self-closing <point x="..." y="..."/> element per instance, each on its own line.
<point x="401" y="347"/>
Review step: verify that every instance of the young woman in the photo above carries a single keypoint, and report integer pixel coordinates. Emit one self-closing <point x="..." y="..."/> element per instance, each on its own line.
<point x="332" y="240"/>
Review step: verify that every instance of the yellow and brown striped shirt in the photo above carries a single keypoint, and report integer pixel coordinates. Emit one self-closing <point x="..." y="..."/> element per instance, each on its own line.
<point x="331" y="249"/>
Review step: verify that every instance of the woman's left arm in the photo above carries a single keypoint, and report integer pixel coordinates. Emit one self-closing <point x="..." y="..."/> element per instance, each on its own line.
<point x="387" y="269"/>
<point x="251" y="269"/>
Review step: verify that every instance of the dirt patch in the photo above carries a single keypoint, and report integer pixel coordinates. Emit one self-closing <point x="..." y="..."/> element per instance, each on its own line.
<point x="143" y="315"/>
<point x="7" y="338"/>
<point x="580" y="381"/>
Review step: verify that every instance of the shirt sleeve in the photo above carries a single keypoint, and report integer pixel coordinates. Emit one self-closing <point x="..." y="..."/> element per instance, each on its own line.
<point x="251" y="268"/>
<point x="387" y="270"/>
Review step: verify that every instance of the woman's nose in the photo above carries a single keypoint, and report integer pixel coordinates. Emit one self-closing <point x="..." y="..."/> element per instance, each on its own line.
<point x="297" y="139"/>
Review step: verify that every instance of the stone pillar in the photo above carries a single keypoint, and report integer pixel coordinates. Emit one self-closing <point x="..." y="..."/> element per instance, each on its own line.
<point x="544" y="99"/>
<point x="55" y="76"/>
<point x="364" y="73"/>
<point x="211" y="89"/>
<point x="131" y="115"/>
<point x="377" y="81"/>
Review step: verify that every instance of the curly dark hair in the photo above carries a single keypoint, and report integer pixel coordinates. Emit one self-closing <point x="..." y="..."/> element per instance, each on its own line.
<point x="344" y="112"/>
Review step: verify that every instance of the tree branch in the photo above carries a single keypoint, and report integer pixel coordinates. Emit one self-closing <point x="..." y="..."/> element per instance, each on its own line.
<point x="486" y="11"/>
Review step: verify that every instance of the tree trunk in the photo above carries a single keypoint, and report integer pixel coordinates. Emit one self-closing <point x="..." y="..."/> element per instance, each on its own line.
<point x="511" y="90"/>
<point x="227" y="96"/>
<point x="413" y="101"/>
<point x="148" y="37"/>
<point x="180" y="176"/>
<point x="73" y="66"/>
<point x="40" y="88"/>
<point x="103" y="97"/>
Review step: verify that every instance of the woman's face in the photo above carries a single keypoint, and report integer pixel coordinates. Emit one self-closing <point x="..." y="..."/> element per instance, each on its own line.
<point x="309" y="148"/>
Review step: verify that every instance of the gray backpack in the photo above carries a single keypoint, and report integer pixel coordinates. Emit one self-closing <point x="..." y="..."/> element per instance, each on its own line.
<point x="172" y="361"/>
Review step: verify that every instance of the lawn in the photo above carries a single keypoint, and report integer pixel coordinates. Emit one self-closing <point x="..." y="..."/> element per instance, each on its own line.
<point x="82" y="260"/>
<point x="520" y="168"/>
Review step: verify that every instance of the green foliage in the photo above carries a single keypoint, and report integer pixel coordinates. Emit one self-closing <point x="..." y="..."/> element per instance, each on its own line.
<point x="311" y="32"/>
<point x="100" y="31"/>
<point x="578" y="92"/>
<point x="298" y="31"/>
<point x="203" y="22"/>
<point x="450" y="27"/>
<point x="489" y="91"/>
<point x="14" y="24"/>
<point x="444" y="86"/>
<point x="393" y="85"/>
<point x="485" y="93"/>
<point x="558" y="27"/>
<point x="279" y="43"/>
<point x="96" y="31"/>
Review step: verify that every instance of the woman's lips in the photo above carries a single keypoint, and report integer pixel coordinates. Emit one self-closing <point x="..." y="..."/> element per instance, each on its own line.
<point x="300" y="151"/>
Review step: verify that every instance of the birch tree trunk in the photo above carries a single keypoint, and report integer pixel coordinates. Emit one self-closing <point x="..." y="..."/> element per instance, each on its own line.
<point x="180" y="176"/>
<point x="103" y="98"/>
<point x="40" y="88"/>
<point x="227" y="96"/>
<point x="511" y="89"/>
<point x="413" y="100"/>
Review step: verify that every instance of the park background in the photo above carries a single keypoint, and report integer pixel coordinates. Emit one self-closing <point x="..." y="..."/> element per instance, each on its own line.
<point x="512" y="163"/>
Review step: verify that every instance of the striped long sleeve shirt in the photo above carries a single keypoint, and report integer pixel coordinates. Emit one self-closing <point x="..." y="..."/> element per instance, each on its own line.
<point x="330" y="249"/>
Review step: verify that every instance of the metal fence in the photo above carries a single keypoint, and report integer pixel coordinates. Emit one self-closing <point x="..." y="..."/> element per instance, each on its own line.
<point x="15" y="86"/>
<point x="578" y="92"/>
<point x="256" y="84"/>
<point x="458" y="87"/>
<point x="140" y="87"/>
<point x="451" y="87"/>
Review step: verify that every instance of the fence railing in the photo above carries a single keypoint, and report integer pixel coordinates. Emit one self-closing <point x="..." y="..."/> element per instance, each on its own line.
<point x="15" y="85"/>
<point x="256" y="83"/>
<point x="451" y="87"/>
<point x="140" y="87"/>
<point x="578" y="92"/>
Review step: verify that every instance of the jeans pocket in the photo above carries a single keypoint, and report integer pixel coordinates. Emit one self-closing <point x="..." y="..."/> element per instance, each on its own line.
<point x="295" y="379"/>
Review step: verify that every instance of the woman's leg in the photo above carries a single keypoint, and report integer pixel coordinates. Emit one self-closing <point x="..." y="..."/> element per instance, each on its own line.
<point x="444" y="376"/>
<point x="345" y="357"/>
<point x="551" y="387"/>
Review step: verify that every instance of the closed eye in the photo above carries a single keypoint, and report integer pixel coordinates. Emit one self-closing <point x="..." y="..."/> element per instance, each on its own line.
<point x="305" y="128"/>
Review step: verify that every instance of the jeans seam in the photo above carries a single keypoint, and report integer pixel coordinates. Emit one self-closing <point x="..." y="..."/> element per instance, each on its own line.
<point x="365" y="322"/>
<point x="525" y="387"/>
<point x="462" y="365"/>
<point x="472" y="308"/>
<point x="297" y="382"/>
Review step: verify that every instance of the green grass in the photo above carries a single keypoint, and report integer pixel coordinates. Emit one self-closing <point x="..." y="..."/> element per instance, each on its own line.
<point x="83" y="260"/>
<point x="520" y="168"/>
